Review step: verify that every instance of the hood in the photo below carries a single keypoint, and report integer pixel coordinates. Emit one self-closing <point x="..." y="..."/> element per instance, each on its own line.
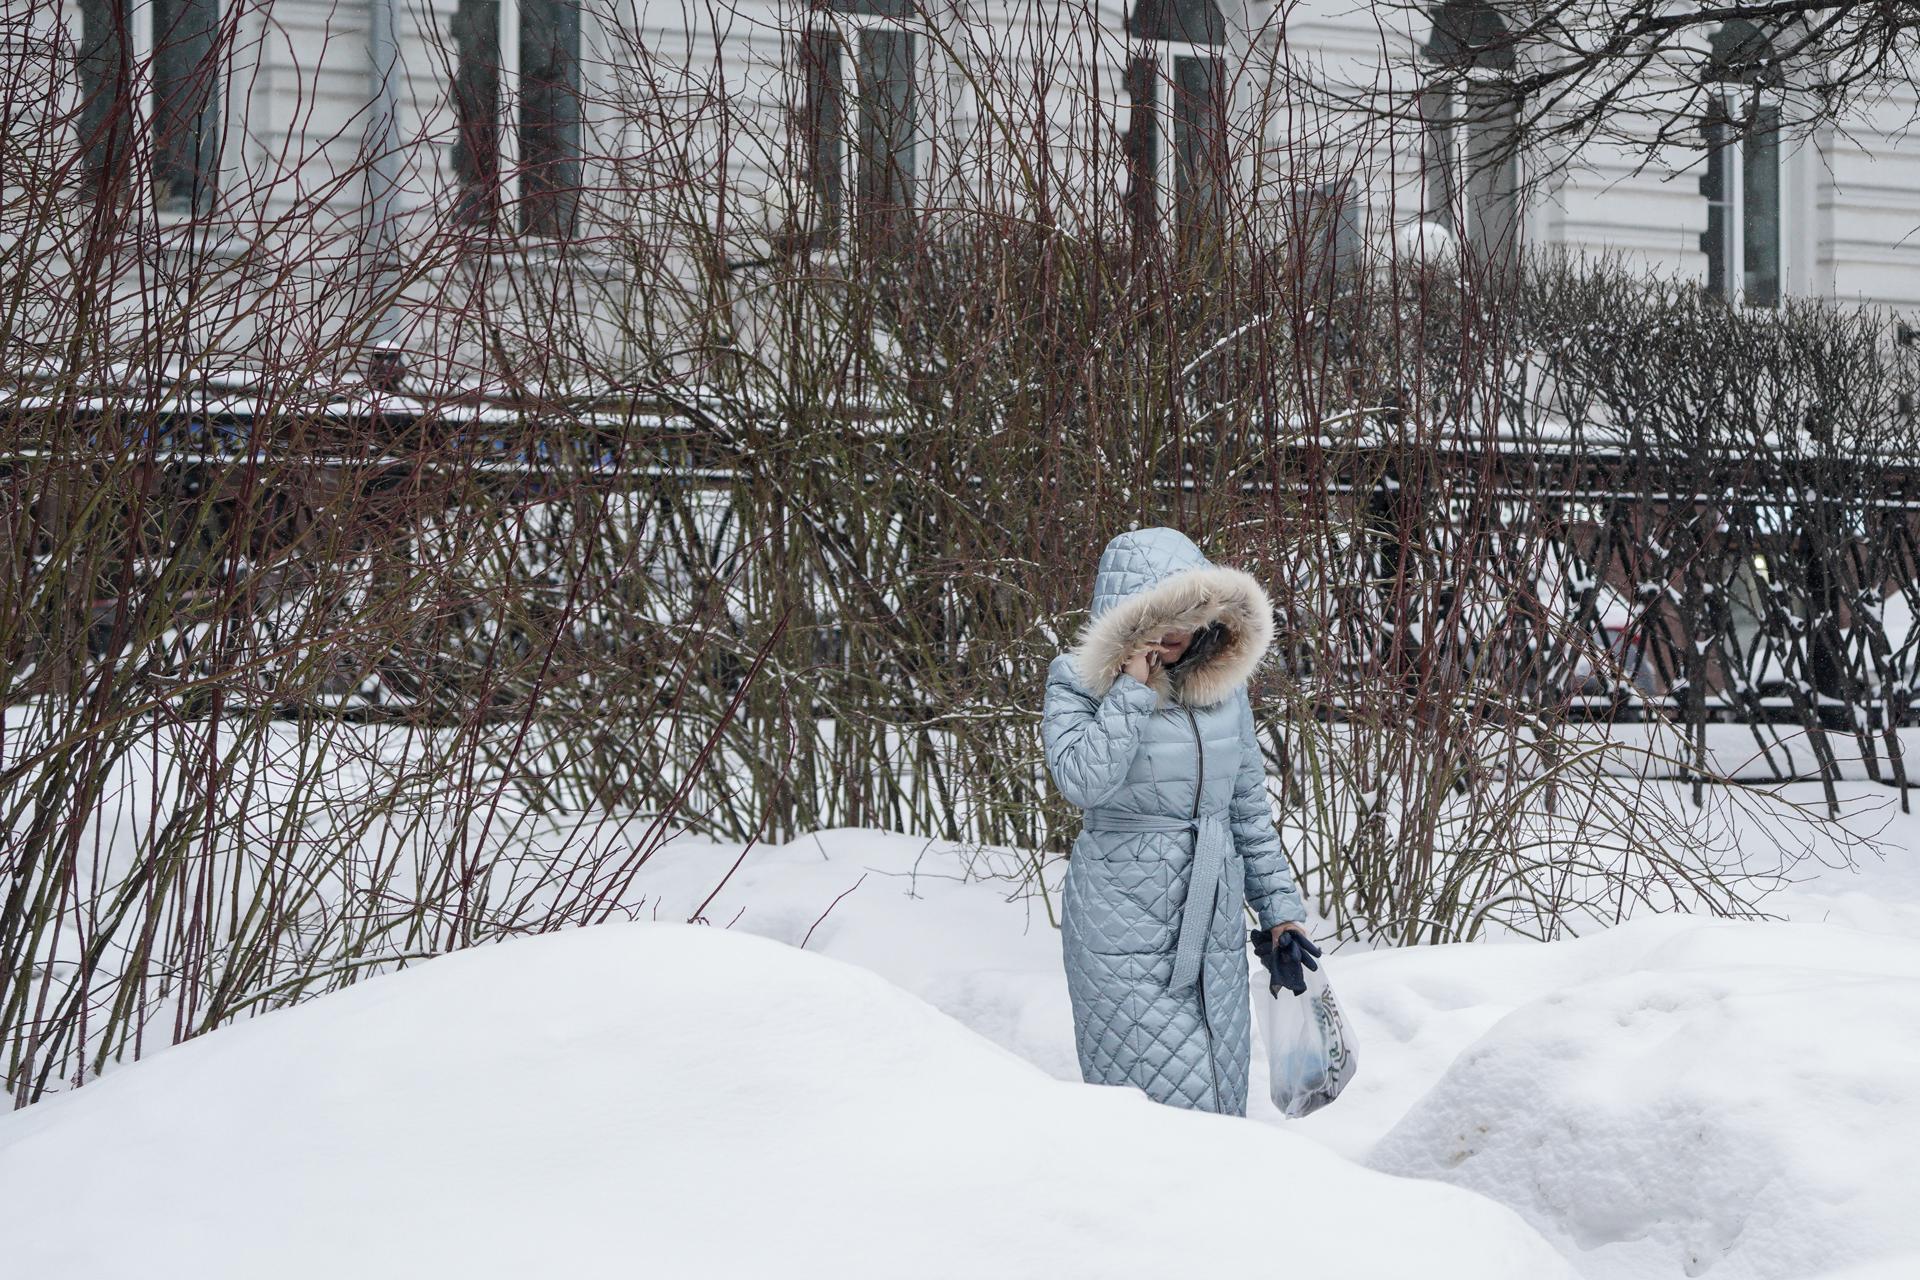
<point x="1151" y="581"/>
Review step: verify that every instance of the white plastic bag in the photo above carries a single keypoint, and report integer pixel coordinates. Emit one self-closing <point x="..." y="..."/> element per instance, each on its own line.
<point x="1310" y="1051"/>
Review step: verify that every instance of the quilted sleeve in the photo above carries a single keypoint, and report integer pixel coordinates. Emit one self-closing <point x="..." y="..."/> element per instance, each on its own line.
<point x="1270" y="887"/>
<point x="1090" y="742"/>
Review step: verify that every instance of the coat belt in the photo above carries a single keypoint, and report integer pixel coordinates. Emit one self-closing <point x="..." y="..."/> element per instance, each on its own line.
<point x="1213" y="841"/>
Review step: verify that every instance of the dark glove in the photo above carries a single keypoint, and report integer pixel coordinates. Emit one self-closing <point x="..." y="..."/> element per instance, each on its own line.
<point x="1287" y="963"/>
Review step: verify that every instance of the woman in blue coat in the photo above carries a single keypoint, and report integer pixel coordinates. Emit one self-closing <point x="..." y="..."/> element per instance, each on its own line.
<point x="1148" y="729"/>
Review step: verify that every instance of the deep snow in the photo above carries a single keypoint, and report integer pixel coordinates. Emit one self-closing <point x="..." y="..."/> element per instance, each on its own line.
<point x="1670" y="1097"/>
<point x="1678" y="1097"/>
<point x="1785" y="1052"/>
<point x="671" y="1100"/>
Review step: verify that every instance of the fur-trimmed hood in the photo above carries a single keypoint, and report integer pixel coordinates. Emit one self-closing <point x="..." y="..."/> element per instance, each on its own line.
<point x="1151" y="581"/>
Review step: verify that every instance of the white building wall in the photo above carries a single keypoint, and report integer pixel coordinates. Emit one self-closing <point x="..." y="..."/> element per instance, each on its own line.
<point x="1869" y="197"/>
<point x="689" y="121"/>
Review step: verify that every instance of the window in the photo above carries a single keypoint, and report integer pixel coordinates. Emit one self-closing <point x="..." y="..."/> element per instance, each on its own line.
<point x="177" y="116"/>
<point x="476" y="109"/>
<point x="1741" y="181"/>
<point x="860" y="118"/>
<point x="105" y="47"/>
<point x="549" y="115"/>
<point x="548" y="119"/>
<point x="1176" y="130"/>
<point x="1472" y="160"/>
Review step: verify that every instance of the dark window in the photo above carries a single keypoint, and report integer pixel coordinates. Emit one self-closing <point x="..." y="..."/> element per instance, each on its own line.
<point x="185" y="107"/>
<point x="1469" y="34"/>
<point x="1760" y="210"/>
<point x="1741" y="181"/>
<point x="1740" y="53"/>
<point x="550" y="116"/>
<point x="884" y="182"/>
<point x="825" y="154"/>
<point x="1716" y="184"/>
<point x="1140" y="147"/>
<point x="186" y="103"/>
<point x="874" y="133"/>
<point x="106" y="111"/>
<point x="1742" y="187"/>
<point x="476" y="109"/>
<point x="1190" y="21"/>
<point x="873" y="8"/>
<point x="1192" y="133"/>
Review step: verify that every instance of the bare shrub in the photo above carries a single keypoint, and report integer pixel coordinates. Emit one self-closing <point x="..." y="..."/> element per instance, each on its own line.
<point x="389" y="575"/>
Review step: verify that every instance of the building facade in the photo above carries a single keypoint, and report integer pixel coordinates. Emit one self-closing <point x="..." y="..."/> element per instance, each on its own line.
<point x="347" y="137"/>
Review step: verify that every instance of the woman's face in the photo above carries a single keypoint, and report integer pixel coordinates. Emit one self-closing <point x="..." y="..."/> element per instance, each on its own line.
<point x="1171" y="645"/>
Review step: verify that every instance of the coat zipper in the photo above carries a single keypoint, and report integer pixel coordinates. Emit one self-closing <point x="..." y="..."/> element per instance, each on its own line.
<point x="1200" y="979"/>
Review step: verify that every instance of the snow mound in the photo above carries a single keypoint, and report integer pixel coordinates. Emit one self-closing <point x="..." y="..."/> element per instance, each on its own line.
<point x="954" y="925"/>
<point x="1739" y="1100"/>
<point x="672" y="1100"/>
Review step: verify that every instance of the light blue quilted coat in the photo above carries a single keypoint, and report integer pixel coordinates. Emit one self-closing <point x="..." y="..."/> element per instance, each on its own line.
<point x="1170" y="778"/>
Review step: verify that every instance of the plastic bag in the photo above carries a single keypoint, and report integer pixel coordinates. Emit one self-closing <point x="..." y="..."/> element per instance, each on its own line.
<point x="1310" y="1050"/>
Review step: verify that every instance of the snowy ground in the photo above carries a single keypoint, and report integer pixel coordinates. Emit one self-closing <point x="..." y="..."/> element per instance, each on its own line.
<point x="1670" y="1097"/>
<point x="664" y="1099"/>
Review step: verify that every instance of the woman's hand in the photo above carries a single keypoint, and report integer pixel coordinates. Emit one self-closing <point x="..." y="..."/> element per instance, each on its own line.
<point x="1287" y="965"/>
<point x="1142" y="663"/>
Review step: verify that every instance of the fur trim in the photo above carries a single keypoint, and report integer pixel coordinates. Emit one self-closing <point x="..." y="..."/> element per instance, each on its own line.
<point x="1187" y="600"/>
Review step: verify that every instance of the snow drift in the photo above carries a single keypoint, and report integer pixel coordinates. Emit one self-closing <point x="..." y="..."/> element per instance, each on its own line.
<point x="1678" y="1097"/>
<point x="901" y="906"/>
<point x="679" y="1101"/>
